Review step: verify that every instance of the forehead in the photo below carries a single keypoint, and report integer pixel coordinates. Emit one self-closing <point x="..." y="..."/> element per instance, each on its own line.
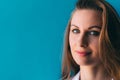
<point x="86" y="17"/>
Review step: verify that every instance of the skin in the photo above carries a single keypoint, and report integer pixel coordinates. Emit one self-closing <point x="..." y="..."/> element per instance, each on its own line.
<point x="83" y="39"/>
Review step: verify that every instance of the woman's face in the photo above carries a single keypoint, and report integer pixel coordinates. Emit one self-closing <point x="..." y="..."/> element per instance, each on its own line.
<point x="84" y="36"/>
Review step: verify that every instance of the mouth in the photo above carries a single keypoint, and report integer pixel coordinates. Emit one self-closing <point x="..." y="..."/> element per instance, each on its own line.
<point x="83" y="53"/>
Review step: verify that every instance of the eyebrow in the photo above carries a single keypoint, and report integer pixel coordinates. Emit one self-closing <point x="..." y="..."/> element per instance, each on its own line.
<point x="94" y="27"/>
<point x="99" y="27"/>
<point x="74" y="25"/>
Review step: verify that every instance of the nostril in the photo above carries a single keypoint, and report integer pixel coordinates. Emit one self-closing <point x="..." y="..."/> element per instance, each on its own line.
<point x="83" y="45"/>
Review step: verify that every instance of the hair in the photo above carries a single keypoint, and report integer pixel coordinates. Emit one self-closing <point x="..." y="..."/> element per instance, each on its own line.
<point x="109" y="40"/>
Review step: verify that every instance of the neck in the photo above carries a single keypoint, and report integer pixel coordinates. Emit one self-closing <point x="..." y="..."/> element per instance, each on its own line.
<point x="92" y="73"/>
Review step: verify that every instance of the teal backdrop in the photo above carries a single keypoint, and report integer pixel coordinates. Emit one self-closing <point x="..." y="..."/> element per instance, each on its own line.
<point x="31" y="37"/>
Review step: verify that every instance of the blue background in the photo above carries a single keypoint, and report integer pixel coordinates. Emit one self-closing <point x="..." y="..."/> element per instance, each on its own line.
<point x="31" y="37"/>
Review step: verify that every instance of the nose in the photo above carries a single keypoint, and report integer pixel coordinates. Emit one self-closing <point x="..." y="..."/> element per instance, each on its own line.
<point x="83" y="40"/>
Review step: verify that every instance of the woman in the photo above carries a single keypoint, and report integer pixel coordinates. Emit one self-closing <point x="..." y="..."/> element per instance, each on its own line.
<point x="92" y="42"/>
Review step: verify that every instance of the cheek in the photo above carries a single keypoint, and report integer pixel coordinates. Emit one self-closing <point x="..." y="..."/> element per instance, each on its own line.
<point x="95" y="45"/>
<point x="72" y="42"/>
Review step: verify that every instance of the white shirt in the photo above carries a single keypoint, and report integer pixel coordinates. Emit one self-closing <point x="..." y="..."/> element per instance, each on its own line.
<point x="76" y="77"/>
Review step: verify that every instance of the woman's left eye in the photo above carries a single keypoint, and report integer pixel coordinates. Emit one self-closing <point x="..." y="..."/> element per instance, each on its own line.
<point x="94" y="33"/>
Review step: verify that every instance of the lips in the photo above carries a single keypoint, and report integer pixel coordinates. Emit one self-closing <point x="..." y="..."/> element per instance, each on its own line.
<point x="83" y="53"/>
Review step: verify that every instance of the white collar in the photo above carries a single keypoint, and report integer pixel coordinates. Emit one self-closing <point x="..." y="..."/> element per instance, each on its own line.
<point x="76" y="77"/>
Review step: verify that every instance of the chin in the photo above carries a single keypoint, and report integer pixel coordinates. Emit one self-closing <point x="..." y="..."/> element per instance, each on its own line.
<point x="84" y="62"/>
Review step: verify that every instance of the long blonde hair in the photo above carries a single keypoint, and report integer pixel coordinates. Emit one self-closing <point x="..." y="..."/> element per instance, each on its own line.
<point x="109" y="41"/>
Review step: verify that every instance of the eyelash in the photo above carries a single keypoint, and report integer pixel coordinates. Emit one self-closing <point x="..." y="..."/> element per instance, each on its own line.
<point x="92" y="32"/>
<point x="95" y="33"/>
<point x="76" y="31"/>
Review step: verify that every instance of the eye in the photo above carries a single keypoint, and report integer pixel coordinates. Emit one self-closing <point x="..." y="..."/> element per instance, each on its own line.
<point x="94" y="33"/>
<point x="76" y="31"/>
